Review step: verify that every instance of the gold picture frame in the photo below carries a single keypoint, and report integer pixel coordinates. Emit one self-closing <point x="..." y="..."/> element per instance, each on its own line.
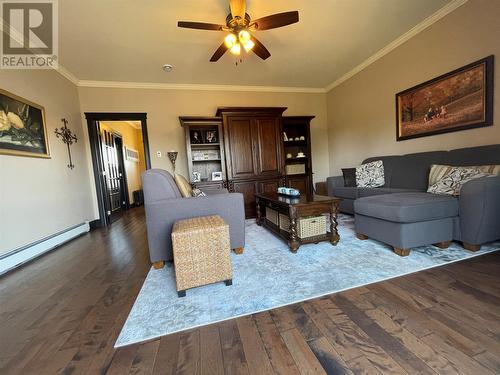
<point x="23" y="129"/>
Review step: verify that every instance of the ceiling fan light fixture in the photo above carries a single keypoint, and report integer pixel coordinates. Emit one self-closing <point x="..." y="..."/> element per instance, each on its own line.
<point x="240" y="29"/>
<point x="236" y="49"/>
<point x="249" y="45"/>
<point x="230" y="40"/>
<point x="244" y="36"/>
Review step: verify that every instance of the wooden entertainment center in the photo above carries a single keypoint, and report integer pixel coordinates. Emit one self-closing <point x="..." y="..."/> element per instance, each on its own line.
<point x="245" y="150"/>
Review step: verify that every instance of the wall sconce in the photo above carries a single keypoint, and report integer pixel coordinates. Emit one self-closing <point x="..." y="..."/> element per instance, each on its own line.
<point x="172" y="155"/>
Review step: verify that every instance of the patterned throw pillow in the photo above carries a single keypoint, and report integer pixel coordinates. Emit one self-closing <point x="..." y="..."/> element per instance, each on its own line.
<point x="452" y="182"/>
<point x="439" y="171"/>
<point x="198" y="193"/>
<point x="370" y="174"/>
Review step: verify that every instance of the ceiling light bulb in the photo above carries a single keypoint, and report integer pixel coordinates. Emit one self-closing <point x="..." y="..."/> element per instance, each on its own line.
<point x="244" y="36"/>
<point x="248" y="45"/>
<point x="236" y="49"/>
<point x="230" y="40"/>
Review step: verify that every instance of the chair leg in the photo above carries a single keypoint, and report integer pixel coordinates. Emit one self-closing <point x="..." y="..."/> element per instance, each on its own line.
<point x="443" y="245"/>
<point x="228" y="282"/>
<point x="239" y="250"/>
<point x="401" y="252"/>
<point x="181" y="293"/>
<point x="158" y="265"/>
<point x="471" y="247"/>
<point x="361" y="237"/>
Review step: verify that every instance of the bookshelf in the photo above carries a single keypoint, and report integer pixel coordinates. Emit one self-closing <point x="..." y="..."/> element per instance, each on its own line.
<point x="205" y="151"/>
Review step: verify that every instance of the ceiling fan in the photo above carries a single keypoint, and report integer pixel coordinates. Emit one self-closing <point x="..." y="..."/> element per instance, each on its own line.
<point x="241" y="27"/>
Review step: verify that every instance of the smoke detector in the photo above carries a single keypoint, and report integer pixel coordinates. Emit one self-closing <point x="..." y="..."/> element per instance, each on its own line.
<point x="167" y="68"/>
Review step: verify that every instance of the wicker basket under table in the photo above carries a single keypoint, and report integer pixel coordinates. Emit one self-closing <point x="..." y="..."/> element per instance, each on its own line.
<point x="201" y="252"/>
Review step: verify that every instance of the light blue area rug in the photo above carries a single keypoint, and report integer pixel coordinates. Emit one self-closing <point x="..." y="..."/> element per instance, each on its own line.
<point x="268" y="275"/>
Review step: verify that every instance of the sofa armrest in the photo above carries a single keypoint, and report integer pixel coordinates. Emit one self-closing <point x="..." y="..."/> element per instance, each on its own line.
<point x="162" y="214"/>
<point x="480" y="210"/>
<point x="332" y="182"/>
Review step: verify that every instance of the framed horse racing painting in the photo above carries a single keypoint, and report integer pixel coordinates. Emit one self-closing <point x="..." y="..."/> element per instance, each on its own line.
<point x="458" y="100"/>
<point x="23" y="130"/>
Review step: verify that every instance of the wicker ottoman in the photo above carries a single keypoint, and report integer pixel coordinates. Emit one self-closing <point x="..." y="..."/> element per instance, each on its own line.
<point x="201" y="252"/>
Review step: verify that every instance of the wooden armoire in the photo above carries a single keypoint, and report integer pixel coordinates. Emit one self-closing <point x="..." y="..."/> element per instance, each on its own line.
<point x="252" y="145"/>
<point x="254" y="161"/>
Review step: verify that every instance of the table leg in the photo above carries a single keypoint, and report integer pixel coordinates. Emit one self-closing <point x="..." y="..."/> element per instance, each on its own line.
<point x="335" y="237"/>
<point x="259" y="212"/>
<point x="293" y="241"/>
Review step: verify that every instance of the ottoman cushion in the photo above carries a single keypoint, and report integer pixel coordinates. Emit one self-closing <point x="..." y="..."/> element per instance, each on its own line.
<point x="407" y="207"/>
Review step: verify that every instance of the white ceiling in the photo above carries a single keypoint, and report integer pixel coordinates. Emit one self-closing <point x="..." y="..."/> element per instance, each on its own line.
<point x="130" y="40"/>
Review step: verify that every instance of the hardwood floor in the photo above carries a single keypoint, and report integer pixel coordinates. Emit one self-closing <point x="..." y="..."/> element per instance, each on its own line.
<point x="62" y="314"/>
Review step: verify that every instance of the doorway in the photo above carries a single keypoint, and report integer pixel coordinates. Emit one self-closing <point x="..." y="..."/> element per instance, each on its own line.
<point x="120" y="153"/>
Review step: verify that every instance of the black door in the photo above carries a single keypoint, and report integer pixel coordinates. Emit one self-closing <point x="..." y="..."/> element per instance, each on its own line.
<point x="114" y="174"/>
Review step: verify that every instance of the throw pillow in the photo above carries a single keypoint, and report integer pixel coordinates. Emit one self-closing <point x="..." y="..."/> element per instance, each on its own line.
<point x="439" y="171"/>
<point x="349" y="177"/>
<point x="452" y="183"/>
<point x="184" y="186"/>
<point x="198" y="193"/>
<point x="370" y="174"/>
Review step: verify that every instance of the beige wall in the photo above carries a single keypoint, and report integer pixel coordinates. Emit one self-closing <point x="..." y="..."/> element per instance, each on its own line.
<point x="40" y="197"/>
<point x="361" y="111"/>
<point x="163" y="108"/>
<point x="132" y="138"/>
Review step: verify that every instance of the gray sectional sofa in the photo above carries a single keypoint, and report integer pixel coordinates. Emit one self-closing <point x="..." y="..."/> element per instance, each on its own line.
<point x="403" y="215"/>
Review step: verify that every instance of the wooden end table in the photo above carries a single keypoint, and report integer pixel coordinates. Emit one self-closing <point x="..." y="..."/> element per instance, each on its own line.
<point x="295" y="208"/>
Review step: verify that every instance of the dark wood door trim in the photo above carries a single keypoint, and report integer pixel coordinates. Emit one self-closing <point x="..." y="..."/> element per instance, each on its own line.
<point x="93" y="119"/>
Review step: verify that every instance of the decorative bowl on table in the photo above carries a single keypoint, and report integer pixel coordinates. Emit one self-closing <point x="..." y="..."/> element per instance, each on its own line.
<point x="288" y="191"/>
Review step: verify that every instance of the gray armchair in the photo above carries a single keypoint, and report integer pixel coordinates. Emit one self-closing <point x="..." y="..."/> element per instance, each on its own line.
<point x="165" y="205"/>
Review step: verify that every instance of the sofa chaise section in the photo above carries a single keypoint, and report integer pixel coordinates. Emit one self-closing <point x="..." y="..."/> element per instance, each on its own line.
<point x="478" y="218"/>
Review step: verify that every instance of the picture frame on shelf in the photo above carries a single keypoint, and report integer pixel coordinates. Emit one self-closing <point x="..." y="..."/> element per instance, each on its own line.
<point x="196" y="137"/>
<point x="196" y="177"/>
<point x="211" y="136"/>
<point x="216" y="176"/>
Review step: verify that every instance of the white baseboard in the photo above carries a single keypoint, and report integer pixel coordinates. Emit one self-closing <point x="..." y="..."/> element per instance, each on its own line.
<point x="26" y="253"/>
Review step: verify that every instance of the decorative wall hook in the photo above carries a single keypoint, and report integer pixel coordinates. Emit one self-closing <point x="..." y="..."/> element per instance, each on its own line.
<point x="68" y="138"/>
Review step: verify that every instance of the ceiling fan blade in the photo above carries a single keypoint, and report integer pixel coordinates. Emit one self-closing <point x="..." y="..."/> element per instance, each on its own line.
<point x="276" y="20"/>
<point x="259" y="49"/>
<point x="218" y="54"/>
<point x="238" y="8"/>
<point x="200" y="25"/>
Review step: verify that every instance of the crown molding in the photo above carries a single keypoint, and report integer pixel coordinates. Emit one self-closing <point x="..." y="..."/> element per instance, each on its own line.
<point x="197" y="87"/>
<point x="444" y="11"/>
<point x="67" y="74"/>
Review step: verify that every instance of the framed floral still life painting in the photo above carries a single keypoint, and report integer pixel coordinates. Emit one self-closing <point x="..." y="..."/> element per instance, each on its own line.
<point x="458" y="100"/>
<point x="23" y="130"/>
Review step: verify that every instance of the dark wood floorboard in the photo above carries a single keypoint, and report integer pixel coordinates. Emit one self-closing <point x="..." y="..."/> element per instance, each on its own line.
<point x="62" y="313"/>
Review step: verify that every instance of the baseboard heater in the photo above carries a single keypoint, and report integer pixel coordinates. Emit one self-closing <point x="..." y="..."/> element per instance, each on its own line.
<point x="19" y="256"/>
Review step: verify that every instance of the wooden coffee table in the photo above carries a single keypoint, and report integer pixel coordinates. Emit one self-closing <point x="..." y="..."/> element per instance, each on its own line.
<point x="295" y="208"/>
